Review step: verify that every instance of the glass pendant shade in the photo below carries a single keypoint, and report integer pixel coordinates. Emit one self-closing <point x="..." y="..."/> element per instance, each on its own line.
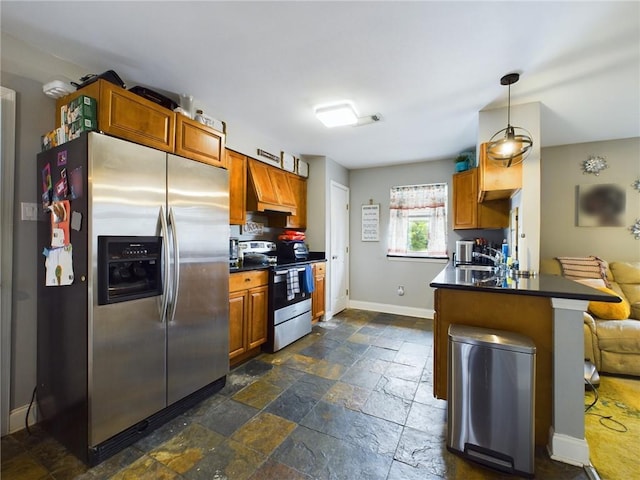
<point x="511" y="145"/>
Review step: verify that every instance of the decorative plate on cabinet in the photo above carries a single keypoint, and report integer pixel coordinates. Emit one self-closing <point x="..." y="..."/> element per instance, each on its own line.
<point x="303" y="168"/>
<point x="288" y="162"/>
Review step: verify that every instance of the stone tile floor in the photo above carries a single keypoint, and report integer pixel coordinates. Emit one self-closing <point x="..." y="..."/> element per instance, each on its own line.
<point x="352" y="400"/>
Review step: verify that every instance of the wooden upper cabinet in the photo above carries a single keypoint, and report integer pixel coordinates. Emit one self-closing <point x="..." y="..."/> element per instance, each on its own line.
<point x="126" y="115"/>
<point x="495" y="181"/>
<point x="237" y="165"/>
<point x="468" y="213"/>
<point x="465" y="210"/>
<point x="299" y="187"/>
<point x="199" y="142"/>
<point x="268" y="189"/>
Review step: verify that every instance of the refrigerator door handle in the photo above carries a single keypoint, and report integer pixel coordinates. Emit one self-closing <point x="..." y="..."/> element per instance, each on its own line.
<point x="176" y="264"/>
<point x="165" y="266"/>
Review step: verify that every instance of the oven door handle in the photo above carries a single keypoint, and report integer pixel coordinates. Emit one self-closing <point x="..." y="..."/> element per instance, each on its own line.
<point x="284" y="272"/>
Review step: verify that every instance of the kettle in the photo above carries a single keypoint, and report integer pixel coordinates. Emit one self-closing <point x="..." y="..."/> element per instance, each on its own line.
<point x="464" y="252"/>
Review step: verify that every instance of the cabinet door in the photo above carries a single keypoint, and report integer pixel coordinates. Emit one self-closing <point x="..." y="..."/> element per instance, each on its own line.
<point x="465" y="210"/>
<point x="127" y="115"/>
<point x="257" y="316"/>
<point x="237" y="325"/>
<point x="299" y="188"/>
<point x="199" y="142"/>
<point x="237" y="165"/>
<point x="317" y="297"/>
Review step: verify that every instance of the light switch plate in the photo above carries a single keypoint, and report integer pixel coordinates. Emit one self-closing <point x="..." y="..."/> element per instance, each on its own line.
<point x="29" y="211"/>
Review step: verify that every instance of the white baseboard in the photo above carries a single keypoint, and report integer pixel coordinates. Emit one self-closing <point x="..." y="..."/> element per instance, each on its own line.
<point x="394" y="309"/>
<point x="17" y="416"/>
<point x="566" y="449"/>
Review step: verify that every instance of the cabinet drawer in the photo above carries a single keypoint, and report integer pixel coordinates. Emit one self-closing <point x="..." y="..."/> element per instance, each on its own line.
<point x="127" y="115"/>
<point x="247" y="280"/>
<point x="199" y="142"/>
<point x="321" y="268"/>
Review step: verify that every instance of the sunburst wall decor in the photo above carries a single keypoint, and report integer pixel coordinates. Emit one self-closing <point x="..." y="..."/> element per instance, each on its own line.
<point x="635" y="229"/>
<point x="594" y="164"/>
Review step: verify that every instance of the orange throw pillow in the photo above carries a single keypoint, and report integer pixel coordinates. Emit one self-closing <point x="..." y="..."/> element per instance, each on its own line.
<point x="610" y="311"/>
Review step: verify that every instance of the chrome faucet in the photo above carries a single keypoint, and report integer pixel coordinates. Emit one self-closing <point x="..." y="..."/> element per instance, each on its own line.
<point x="497" y="260"/>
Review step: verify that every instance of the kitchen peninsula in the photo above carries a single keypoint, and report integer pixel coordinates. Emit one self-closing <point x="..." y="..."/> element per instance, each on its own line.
<point x="549" y="310"/>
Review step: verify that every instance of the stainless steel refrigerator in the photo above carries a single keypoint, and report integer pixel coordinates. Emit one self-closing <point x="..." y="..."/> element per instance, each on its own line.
<point x="133" y="322"/>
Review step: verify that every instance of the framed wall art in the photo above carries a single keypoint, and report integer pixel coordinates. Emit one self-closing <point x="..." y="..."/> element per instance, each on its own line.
<point x="601" y="205"/>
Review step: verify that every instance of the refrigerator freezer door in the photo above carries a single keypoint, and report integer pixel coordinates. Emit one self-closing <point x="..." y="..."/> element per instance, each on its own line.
<point x="127" y="381"/>
<point x="197" y="336"/>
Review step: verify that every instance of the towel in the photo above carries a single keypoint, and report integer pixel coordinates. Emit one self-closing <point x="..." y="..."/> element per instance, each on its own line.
<point x="307" y="280"/>
<point x="583" y="267"/>
<point x="293" y="283"/>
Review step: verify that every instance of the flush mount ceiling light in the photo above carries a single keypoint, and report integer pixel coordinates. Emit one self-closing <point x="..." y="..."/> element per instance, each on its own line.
<point x="337" y="115"/>
<point x="511" y="145"/>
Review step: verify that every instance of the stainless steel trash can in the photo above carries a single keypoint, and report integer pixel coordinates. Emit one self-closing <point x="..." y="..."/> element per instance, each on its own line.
<point x="491" y="398"/>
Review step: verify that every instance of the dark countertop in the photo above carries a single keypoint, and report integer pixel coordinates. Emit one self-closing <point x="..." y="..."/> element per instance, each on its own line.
<point x="540" y="286"/>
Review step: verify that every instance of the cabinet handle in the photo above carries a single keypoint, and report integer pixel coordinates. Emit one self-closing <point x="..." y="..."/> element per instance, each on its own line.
<point x="247" y="279"/>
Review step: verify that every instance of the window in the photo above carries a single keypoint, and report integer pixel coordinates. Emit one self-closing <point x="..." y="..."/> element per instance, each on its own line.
<point x="418" y="221"/>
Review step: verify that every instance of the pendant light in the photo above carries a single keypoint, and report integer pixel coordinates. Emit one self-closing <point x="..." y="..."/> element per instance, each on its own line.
<point x="511" y="145"/>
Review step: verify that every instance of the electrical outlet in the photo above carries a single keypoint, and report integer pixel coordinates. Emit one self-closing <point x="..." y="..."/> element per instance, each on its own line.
<point x="29" y="211"/>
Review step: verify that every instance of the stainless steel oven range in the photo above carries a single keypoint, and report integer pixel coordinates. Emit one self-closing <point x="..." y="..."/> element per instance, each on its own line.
<point x="289" y="305"/>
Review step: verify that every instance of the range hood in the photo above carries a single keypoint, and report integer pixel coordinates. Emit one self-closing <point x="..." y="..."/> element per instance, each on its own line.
<point x="268" y="189"/>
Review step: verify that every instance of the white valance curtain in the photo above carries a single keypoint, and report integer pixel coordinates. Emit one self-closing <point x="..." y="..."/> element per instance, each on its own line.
<point x="428" y="202"/>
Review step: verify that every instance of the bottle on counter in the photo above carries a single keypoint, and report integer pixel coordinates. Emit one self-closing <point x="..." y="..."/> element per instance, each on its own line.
<point x="505" y="251"/>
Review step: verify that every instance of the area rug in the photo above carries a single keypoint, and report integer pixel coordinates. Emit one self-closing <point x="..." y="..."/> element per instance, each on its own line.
<point x="612" y="428"/>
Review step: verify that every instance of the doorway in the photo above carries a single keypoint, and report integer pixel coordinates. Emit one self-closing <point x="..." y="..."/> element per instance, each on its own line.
<point x="339" y="248"/>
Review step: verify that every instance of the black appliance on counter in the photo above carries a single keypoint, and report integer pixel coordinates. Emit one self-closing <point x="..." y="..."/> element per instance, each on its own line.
<point x="291" y="251"/>
<point x="257" y="252"/>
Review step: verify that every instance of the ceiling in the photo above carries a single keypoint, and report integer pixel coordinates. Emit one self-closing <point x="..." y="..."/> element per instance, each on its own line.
<point x="427" y="67"/>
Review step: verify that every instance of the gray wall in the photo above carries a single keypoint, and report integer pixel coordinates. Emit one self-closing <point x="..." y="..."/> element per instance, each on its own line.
<point x="35" y="114"/>
<point x="322" y="171"/>
<point x="561" y="173"/>
<point x="374" y="277"/>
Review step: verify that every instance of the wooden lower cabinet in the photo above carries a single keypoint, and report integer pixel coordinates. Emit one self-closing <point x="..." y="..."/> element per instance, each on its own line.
<point x="248" y="314"/>
<point x="317" y="296"/>
<point x="524" y="314"/>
